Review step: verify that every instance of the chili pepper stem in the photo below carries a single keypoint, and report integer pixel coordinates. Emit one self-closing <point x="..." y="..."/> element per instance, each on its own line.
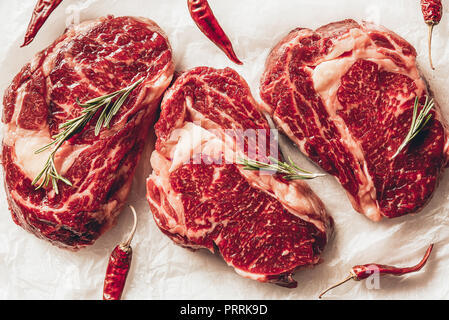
<point x="430" y="45"/>
<point x="127" y="242"/>
<point x="350" y="277"/>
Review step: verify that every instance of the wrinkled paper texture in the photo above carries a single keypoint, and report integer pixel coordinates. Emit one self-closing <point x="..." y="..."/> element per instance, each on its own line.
<point x="31" y="268"/>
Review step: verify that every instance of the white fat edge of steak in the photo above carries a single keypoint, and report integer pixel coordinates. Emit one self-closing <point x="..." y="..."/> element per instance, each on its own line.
<point x="249" y="275"/>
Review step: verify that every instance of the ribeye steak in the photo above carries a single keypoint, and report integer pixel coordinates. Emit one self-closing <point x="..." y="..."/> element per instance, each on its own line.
<point x="262" y="225"/>
<point x="345" y="95"/>
<point x="91" y="59"/>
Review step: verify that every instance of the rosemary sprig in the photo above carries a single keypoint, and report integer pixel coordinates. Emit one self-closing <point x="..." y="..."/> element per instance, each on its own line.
<point x="290" y="170"/>
<point x="419" y="121"/>
<point x="74" y="126"/>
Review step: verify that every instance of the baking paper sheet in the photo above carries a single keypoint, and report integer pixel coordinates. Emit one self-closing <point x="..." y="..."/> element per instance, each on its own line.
<point x="33" y="269"/>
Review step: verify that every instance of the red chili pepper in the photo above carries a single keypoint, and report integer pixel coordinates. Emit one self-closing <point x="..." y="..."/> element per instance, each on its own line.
<point x="362" y="272"/>
<point x="118" y="266"/>
<point x="433" y="12"/>
<point x="41" y="12"/>
<point x="205" y="20"/>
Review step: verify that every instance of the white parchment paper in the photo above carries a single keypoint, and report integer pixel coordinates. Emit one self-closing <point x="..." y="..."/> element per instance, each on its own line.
<point x="33" y="269"/>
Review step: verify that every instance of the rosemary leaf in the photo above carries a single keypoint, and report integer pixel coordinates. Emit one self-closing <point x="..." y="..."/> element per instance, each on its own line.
<point x="74" y="126"/>
<point x="117" y="105"/>
<point x="419" y="121"/>
<point x="45" y="147"/>
<point x="101" y="118"/>
<point x="289" y="169"/>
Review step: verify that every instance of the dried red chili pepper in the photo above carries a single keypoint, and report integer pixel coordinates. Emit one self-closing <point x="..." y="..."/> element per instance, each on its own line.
<point x="41" y="12"/>
<point x="205" y="20"/>
<point x="118" y="266"/>
<point x="362" y="272"/>
<point x="433" y="12"/>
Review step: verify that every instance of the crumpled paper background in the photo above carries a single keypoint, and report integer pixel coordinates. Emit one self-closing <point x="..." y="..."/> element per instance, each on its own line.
<point x="33" y="269"/>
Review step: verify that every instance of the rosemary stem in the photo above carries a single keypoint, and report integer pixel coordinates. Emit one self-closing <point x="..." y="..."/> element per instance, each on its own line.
<point x="289" y="169"/>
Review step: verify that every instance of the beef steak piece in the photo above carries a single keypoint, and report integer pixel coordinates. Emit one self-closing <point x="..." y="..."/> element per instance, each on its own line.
<point x="344" y="94"/>
<point x="92" y="59"/>
<point x="262" y="225"/>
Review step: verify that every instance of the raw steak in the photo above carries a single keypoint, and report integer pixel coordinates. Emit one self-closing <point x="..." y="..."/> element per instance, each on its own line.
<point x="345" y="94"/>
<point x="92" y="59"/>
<point x="262" y="225"/>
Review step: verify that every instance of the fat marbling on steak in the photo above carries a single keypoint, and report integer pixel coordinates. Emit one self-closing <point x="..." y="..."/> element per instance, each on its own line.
<point x="91" y="59"/>
<point x="344" y="94"/>
<point x="262" y="225"/>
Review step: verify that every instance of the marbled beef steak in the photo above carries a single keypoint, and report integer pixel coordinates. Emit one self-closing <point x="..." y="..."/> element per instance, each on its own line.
<point x="90" y="60"/>
<point x="262" y="225"/>
<point x="344" y="94"/>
